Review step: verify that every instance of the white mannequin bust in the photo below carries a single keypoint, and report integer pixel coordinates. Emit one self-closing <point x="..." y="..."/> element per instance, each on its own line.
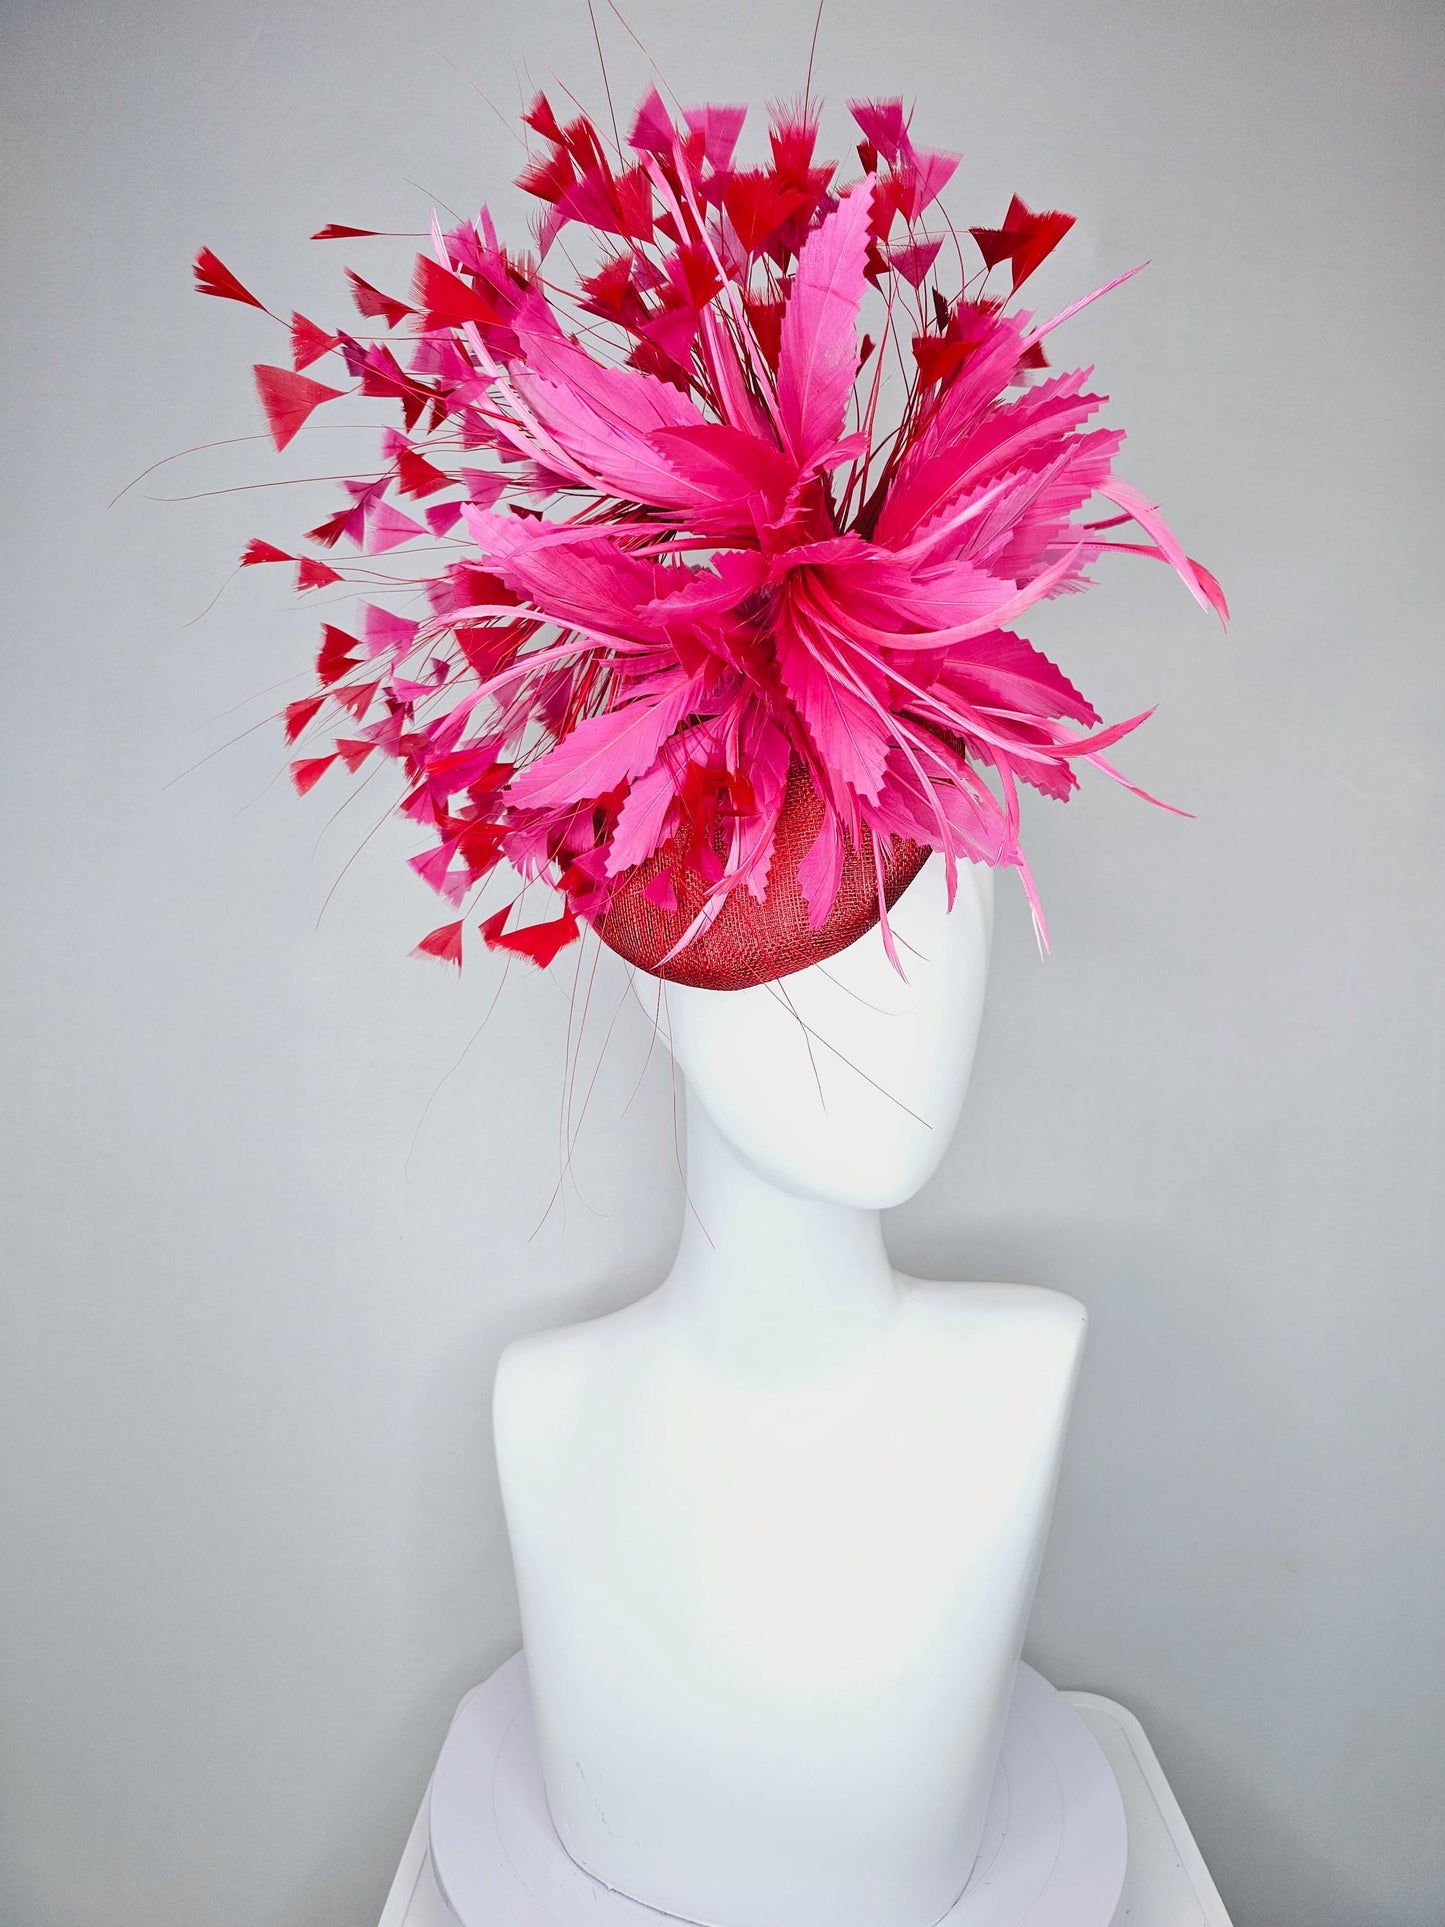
<point x="777" y="1525"/>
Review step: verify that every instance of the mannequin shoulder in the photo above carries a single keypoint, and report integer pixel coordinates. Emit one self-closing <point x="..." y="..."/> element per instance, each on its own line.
<point x="543" y="1378"/>
<point x="1006" y="1319"/>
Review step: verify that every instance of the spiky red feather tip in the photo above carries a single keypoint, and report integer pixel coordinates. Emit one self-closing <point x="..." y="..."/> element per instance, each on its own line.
<point x="718" y="637"/>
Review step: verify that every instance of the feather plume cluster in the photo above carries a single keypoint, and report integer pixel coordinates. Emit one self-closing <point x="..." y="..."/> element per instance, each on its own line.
<point x="702" y="632"/>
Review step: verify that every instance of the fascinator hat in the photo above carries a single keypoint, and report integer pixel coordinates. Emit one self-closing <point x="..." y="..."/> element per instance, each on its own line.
<point x="692" y="571"/>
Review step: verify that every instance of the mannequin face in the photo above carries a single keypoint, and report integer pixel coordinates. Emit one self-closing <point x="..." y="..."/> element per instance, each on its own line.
<point x="843" y="1081"/>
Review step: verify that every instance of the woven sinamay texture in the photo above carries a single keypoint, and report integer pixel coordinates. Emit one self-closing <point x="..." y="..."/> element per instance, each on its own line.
<point x="751" y="942"/>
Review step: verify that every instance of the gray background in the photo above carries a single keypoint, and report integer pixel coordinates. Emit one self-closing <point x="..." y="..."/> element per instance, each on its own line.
<point x="264" y="1234"/>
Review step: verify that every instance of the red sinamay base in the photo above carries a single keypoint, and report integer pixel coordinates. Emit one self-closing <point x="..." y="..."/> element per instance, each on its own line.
<point x="750" y="942"/>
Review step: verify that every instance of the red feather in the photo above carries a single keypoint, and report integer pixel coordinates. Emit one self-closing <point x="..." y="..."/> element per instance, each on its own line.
<point x="417" y="476"/>
<point x="766" y="319"/>
<point x="1025" y="240"/>
<point x="299" y="714"/>
<point x="447" y="300"/>
<point x="348" y="521"/>
<point x="288" y="398"/>
<point x="357" y="699"/>
<point x="444" y="943"/>
<point x="1044" y="236"/>
<point x="335" y="658"/>
<point x="258" y="551"/>
<point x="758" y="204"/>
<point x="937" y="358"/>
<point x="308" y="342"/>
<point x="540" y="116"/>
<point x="311" y="573"/>
<point x="371" y="301"/>
<point x="549" y="178"/>
<point x="307" y="773"/>
<point x="539" y="941"/>
<point x="335" y="231"/>
<point x="214" y="277"/>
<point x="480" y="846"/>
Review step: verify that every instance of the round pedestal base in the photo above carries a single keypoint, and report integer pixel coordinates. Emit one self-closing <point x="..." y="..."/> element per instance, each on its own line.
<point x="1053" y="1853"/>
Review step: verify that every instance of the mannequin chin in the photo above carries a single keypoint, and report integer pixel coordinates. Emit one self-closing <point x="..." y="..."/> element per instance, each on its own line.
<point x="844" y="1081"/>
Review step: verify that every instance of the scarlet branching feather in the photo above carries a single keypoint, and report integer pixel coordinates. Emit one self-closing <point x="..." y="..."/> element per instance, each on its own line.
<point x="289" y="399"/>
<point x="214" y="277"/>
<point x="299" y="714"/>
<point x="308" y="342"/>
<point x="538" y="942"/>
<point x="339" y="653"/>
<point x="1025" y="240"/>
<point x="308" y="772"/>
<point x="444" y="943"/>
<point x="371" y="301"/>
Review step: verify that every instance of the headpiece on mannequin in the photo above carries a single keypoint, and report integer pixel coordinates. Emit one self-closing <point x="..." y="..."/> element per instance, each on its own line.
<point x="691" y="572"/>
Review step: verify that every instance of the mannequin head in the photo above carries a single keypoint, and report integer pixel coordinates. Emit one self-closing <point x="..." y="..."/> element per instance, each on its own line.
<point x="844" y="1081"/>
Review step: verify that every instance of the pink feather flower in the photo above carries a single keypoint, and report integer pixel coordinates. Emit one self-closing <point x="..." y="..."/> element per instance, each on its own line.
<point x="725" y="544"/>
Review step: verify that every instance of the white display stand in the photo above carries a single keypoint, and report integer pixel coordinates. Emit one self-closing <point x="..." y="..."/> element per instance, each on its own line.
<point x="1166" y="1883"/>
<point x="1054" y="1847"/>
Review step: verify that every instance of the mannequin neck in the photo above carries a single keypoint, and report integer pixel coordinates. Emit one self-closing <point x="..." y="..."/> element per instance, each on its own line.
<point x="766" y="1280"/>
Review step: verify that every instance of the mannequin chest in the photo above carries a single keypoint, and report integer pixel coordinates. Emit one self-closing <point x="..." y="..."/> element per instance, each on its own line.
<point x="793" y="1522"/>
